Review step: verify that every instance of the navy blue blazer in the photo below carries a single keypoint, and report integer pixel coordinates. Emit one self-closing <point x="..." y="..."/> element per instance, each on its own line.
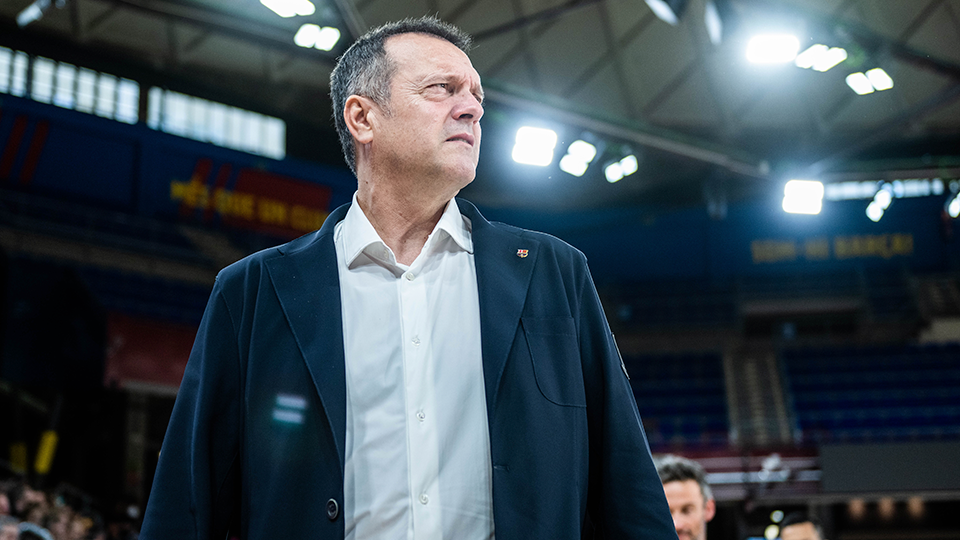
<point x="255" y="444"/>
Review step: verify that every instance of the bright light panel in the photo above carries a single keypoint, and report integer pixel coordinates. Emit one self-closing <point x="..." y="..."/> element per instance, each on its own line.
<point x="820" y="58"/>
<point x="953" y="207"/>
<point x="534" y="146"/>
<point x="328" y="37"/>
<point x="290" y="8"/>
<point x="582" y="150"/>
<point x="613" y="172"/>
<point x="874" y="211"/>
<point x="578" y="158"/>
<point x="572" y="165"/>
<point x="829" y="59"/>
<point x="883" y="198"/>
<point x="668" y="11"/>
<point x="879" y="79"/>
<point x="809" y="57"/>
<point x="772" y="48"/>
<point x="803" y="197"/>
<point x="859" y="83"/>
<point x="311" y="35"/>
<point x="629" y="165"/>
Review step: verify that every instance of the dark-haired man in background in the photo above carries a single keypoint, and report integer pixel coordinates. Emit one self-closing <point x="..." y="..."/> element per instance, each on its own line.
<point x="688" y="494"/>
<point x="410" y="370"/>
<point x="800" y="526"/>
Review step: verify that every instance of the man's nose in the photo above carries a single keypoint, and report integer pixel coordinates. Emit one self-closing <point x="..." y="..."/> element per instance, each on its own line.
<point x="468" y="107"/>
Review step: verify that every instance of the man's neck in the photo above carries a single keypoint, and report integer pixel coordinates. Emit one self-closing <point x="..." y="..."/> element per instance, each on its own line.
<point x="403" y="220"/>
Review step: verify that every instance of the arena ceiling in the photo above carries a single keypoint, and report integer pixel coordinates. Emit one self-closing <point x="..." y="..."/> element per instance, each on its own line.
<point x="707" y="126"/>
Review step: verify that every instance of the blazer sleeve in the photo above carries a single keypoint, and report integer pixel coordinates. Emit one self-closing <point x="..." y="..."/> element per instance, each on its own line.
<point x="626" y="497"/>
<point x="195" y="488"/>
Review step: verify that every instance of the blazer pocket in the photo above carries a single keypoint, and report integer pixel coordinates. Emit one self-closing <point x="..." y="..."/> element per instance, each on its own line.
<point x="555" y="353"/>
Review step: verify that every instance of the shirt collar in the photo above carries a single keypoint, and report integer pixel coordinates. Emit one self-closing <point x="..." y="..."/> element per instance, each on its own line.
<point x="359" y="236"/>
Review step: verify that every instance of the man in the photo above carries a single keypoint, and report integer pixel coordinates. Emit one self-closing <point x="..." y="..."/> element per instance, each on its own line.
<point x="410" y="370"/>
<point x="799" y="526"/>
<point x="688" y="495"/>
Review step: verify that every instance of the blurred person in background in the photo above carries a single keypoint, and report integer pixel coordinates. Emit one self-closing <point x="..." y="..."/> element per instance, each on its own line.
<point x="800" y="526"/>
<point x="9" y="528"/>
<point x="688" y="495"/>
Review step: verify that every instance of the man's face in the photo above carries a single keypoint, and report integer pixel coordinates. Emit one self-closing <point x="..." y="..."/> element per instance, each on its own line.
<point x="800" y="531"/>
<point x="432" y="126"/>
<point x="690" y="512"/>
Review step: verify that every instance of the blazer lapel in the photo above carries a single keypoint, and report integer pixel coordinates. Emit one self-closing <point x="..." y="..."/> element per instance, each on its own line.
<point x="504" y="261"/>
<point x="307" y="282"/>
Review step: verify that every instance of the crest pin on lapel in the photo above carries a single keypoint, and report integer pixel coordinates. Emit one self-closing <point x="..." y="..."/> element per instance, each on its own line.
<point x="521" y="253"/>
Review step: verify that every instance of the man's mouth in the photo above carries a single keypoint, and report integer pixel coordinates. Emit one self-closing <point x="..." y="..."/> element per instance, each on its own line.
<point x="465" y="137"/>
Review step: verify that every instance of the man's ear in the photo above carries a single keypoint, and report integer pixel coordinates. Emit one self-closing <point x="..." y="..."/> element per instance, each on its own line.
<point x="709" y="510"/>
<point x="356" y="113"/>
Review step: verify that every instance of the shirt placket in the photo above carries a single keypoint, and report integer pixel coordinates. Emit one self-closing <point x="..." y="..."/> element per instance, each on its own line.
<point x="421" y="417"/>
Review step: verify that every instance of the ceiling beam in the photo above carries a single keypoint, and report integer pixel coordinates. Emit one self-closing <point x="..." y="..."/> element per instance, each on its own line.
<point x="659" y="139"/>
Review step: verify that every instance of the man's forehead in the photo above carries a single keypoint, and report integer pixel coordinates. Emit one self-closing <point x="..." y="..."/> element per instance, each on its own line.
<point x="401" y="47"/>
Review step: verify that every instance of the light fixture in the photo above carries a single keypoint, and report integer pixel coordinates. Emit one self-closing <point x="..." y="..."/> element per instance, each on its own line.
<point x="534" y="146"/>
<point x="718" y="17"/>
<point x="312" y="36"/>
<point x="34" y="12"/>
<point x="668" y="11"/>
<point x="772" y="48"/>
<point x="881" y="201"/>
<point x="578" y="157"/>
<point x="771" y="532"/>
<point x="875" y="79"/>
<point x="859" y="83"/>
<point x="290" y="8"/>
<point x="879" y="79"/>
<point x="820" y="58"/>
<point x="615" y="171"/>
<point x="953" y="206"/>
<point x="803" y="197"/>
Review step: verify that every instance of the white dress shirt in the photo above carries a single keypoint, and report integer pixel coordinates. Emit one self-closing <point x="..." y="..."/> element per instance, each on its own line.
<point x="417" y="444"/>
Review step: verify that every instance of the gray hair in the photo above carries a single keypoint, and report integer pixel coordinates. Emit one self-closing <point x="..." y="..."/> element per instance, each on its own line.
<point x="365" y="70"/>
<point x="673" y="468"/>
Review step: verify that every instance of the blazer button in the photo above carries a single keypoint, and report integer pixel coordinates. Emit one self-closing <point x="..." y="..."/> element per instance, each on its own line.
<point x="333" y="509"/>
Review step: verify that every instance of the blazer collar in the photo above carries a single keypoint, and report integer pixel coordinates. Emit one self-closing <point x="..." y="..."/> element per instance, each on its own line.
<point x="305" y="277"/>
<point x="505" y="258"/>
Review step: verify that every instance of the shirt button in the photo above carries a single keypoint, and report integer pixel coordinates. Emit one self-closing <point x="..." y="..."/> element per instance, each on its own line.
<point x="421" y="416"/>
<point x="410" y="276"/>
<point x="424" y="499"/>
<point x="333" y="509"/>
<point x="415" y="340"/>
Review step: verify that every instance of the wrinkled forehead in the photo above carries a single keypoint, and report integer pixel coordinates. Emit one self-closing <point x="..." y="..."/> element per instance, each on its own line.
<point x="424" y="52"/>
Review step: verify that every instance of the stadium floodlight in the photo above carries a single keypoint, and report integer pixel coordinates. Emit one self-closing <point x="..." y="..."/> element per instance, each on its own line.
<point x="803" y="197"/>
<point x="579" y="155"/>
<point x="830" y="59"/>
<point x="312" y="36"/>
<point x="668" y="11"/>
<point x="820" y="58"/>
<point x="953" y="206"/>
<point x="808" y="58"/>
<point x="875" y="79"/>
<point x="859" y="83"/>
<point x="290" y="8"/>
<point x="879" y="79"/>
<point x="719" y="19"/>
<point x="618" y="169"/>
<point x="772" y="48"/>
<point x="534" y="146"/>
<point x="34" y="12"/>
<point x="881" y="201"/>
